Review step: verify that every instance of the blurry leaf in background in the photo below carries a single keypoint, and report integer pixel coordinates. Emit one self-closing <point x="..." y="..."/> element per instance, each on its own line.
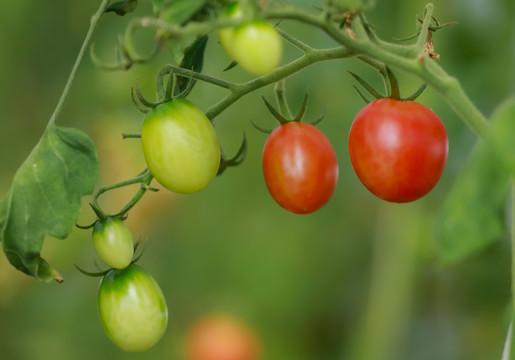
<point x="180" y="11"/>
<point x="473" y="215"/>
<point x="45" y="197"/>
<point x="122" y="7"/>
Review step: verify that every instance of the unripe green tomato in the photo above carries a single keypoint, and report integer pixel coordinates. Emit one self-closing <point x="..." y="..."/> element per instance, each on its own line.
<point x="256" y="46"/>
<point x="180" y="146"/>
<point x="225" y="35"/>
<point x="132" y="308"/>
<point x="113" y="243"/>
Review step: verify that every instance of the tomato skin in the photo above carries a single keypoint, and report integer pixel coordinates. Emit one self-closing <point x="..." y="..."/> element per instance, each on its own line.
<point x="113" y="242"/>
<point x="255" y="45"/>
<point x="300" y="167"/>
<point x="132" y="308"/>
<point x="398" y="149"/>
<point x="221" y="337"/>
<point x="180" y="146"/>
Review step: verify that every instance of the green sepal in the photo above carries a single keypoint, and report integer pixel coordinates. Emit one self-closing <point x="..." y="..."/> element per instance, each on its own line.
<point x="236" y="160"/>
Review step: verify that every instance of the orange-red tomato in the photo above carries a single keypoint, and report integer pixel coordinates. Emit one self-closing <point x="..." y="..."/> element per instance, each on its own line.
<point x="300" y="167"/>
<point x="221" y="337"/>
<point x="398" y="149"/>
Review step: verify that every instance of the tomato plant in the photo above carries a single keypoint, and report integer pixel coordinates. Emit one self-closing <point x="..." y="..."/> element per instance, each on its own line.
<point x="300" y="167"/>
<point x="113" y="242"/>
<point x="221" y="337"/>
<point x="180" y="146"/>
<point x="398" y="149"/>
<point x="132" y="308"/>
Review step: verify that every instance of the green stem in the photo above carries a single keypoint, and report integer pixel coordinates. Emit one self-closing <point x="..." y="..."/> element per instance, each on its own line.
<point x="281" y="100"/>
<point x="144" y="179"/>
<point x="94" y="21"/>
<point x="407" y="58"/>
<point x="309" y="58"/>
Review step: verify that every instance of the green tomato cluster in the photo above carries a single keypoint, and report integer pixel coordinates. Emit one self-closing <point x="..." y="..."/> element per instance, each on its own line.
<point x="131" y="305"/>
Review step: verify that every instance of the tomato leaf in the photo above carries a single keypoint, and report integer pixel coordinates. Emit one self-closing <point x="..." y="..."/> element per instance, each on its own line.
<point x="180" y="11"/>
<point x="473" y="215"/>
<point x="193" y="60"/>
<point x="45" y="197"/>
<point x="122" y="7"/>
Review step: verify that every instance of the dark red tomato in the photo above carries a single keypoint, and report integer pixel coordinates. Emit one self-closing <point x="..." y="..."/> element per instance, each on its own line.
<point x="300" y="167"/>
<point x="398" y="149"/>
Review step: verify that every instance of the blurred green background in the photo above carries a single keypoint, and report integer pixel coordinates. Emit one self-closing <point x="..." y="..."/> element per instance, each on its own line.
<point x="358" y="280"/>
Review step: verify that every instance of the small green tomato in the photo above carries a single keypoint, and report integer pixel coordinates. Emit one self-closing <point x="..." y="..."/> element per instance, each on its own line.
<point x="257" y="47"/>
<point x="113" y="242"/>
<point x="132" y="308"/>
<point x="180" y="146"/>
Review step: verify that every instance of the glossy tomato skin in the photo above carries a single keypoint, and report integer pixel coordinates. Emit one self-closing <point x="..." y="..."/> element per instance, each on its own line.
<point x="221" y="337"/>
<point x="180" y="146"/>
<point x="300" y="167"/>
<point x="398" y="149"/>
<point x="113" y="242"/>
<point x="132" y="308"/>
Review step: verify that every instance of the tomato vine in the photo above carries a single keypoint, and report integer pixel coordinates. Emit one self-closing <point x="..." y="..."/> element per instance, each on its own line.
<point x="178" y="137"/>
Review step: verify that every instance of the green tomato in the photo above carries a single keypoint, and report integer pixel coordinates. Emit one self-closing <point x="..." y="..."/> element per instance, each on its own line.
<point x="256" y="46"/>
<point x="113" y="242"/>
<point x="132" y="308"/>
<point x="180" y="146"/>
<point x="233" y="12"/>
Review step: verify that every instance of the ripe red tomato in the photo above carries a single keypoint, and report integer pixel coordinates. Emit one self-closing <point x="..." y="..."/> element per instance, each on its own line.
<point x="221" y="337"/>
<point x="300" y="167"/>
<point x="398" y="149"/>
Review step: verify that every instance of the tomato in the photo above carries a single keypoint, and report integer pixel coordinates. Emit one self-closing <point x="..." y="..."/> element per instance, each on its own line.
<point x="300" y="167"/>
<point x="113" y="242"/>
<point x="180" y="146"/>
<point x="255" y="45"/>
<point x="221" y="337"/>
<point x="132" y="308"/>
<point x="398" y="149"/>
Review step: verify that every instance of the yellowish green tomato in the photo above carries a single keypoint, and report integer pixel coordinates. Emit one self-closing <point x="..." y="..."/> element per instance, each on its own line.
<point x="113" y="243"/>
<point x="132" y="308"/>
<point x="256" y="46"/>
<point x="180" y="146"/>
<point x="225" y="35"/>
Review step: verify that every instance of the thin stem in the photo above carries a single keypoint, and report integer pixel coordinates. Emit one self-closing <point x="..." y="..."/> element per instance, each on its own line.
<point x="202" y="77"/>
<point x="94" y="21"/>
<point x="406" y="58"/>
<point x="144" y="178"/>
<point x="280" y="73"/>
<point x="281" y="100"/>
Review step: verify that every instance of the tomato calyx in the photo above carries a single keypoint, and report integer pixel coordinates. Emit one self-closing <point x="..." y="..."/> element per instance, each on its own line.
<point x="280" y="117"/>
<point x="236" y="160"/>
<point x="101" y="273"/>
<point x="393" y="88"/>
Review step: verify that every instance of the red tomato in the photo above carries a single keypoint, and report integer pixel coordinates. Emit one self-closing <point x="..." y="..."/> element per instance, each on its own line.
<point x="398" y="149"/>
<point x="300" y="167"/>
<point x="220" y="337"/>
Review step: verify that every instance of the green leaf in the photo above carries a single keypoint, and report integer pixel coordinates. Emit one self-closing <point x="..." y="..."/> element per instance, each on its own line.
<point x="473" y="215"/>
<point x="122" y="7"/>
<point x="45" y="197"/>
<point x="180" y="11"/>
<point x="193" y="60"/>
